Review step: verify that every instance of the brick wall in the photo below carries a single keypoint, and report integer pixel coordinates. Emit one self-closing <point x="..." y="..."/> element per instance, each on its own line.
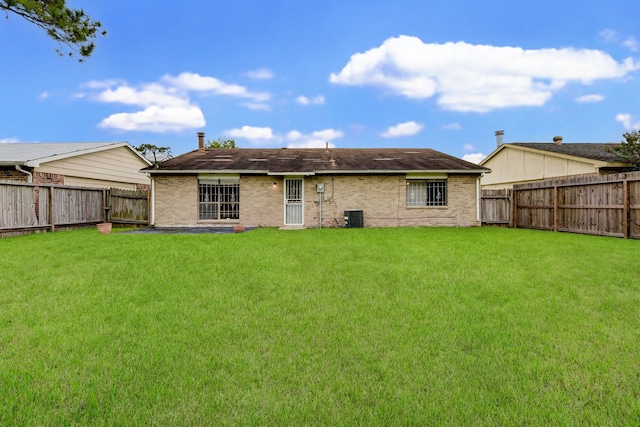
<point x="9" y="173"/>
<point x="381" y="198"/>
<point x="176" y="201"/>
<point x="383" y="202"/>
<point x="261" y="202"/>
<point x="48" y="178"/>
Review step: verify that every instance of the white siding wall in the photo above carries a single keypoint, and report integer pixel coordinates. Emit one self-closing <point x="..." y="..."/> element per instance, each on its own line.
<point x="84" y="182"/>
<point x="118" y="167"/>
<point x="513" y="166"/>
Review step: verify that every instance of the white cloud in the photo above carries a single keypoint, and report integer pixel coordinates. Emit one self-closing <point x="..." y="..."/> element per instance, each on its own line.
<point x="148" y="95"/>
<point x="156" y="119"/>
<point x="102" y="84"/>
<point x="165" y="109"/>
<point x="608" y="35"/>
<point x="293" y="139"/>
<point x="595" y="97"/>
<point x="44" y="95"/>
<point x="196" y="82"/>
<point x="628" y="121"/>
<point x="402" y="129"/>
<point x="165" y="105"/>
<point x="468" y="147"/>
<point x="480" y="78"/>
<point x="474" y="157"/>
<point x="303" y="100"/>
<point x="612" y="36"/>
<point x="452" y="126"/>
<point x="256" y="106"/>
<point x="251" y="133"/>
<point x="631" y="43"/>
<point x="9" y="141"/>
<point x="260" y="74"/>
<point x="317" y="139"/>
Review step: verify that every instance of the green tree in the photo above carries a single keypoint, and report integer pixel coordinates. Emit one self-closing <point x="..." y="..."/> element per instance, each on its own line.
<point x="71" y="27"/>
<point x="222" y="142"/>
<point x="153" y="150"/>
<point x="628" y="151"/>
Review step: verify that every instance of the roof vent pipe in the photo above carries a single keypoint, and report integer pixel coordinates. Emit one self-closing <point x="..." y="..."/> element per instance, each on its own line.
<point x="499" y="134"/>
<point x="557" y="140"/>
<point x="200" y="141"/>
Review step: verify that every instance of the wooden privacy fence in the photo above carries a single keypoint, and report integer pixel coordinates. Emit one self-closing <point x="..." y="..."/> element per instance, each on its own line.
<point x="496" y="207"/>
<point x="605" y="205"/>
<point x="129" y="207"/>
<point x="31" y="207"/>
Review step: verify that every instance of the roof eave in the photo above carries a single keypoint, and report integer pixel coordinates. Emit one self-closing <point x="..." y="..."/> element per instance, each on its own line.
<point x="34" y="163"/>
<point x="595" y="162"/>
<point x="281" y="173"/>
<point x="401" y="171"/>
<point x="197" y="171"/>
<point x="490" y="156"/>
<point x="13" y="163"/>
<point x="310" y="173"/>
<point x="613" y="165"/>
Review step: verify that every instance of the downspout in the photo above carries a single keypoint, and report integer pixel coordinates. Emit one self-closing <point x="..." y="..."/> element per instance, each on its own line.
<point x="321" y="196"/>
<point x="29" y="174"/>
<point x="478" y="199"/>
<point x="152" y="219"/>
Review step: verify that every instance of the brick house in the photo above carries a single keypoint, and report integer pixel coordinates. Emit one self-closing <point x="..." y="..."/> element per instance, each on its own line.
<point x="314" y="187"/>
<point x="83" y="164"/>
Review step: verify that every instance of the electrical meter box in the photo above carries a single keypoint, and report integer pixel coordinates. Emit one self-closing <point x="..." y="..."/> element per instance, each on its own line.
<point x="320" y="188"/>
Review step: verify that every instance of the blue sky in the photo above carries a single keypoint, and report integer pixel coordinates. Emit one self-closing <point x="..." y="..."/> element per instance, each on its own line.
<point x="441" y="75"/>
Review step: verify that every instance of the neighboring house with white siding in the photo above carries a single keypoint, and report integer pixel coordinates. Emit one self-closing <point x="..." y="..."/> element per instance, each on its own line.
<point x="523" y="162"/>
<point x="83" y="164"/>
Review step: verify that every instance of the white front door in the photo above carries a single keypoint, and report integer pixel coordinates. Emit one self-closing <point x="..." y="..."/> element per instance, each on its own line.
<point x="293" y="201"/>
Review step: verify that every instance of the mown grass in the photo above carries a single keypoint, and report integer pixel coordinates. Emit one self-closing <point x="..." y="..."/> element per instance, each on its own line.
<point x="422" y="326"/>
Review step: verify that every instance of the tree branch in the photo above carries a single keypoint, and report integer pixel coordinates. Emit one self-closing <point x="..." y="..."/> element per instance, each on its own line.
<point x="71" y="27"/>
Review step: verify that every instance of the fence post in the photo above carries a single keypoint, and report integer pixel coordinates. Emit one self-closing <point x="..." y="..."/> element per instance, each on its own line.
<point x="51" y="210"/>
<point x="510" y="204"/>
<point x="106" y="204"/>
<point x="626" y="209"/>
<point x="556" y="219"/>
<point x="514" y="215"/>
<point x="108" y="211"/>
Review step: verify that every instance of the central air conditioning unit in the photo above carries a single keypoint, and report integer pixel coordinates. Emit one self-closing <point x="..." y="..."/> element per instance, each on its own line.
<point x="353" y="218"/>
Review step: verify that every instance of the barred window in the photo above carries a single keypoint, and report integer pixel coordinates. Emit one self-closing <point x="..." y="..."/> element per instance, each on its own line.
<point x="219" y="199"/>
<point x="431" y="192"/>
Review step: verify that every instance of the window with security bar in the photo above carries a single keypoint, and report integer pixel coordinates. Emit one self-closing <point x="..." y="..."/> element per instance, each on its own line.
<point x="218" y="200"/>
<point x="430" y="192"/>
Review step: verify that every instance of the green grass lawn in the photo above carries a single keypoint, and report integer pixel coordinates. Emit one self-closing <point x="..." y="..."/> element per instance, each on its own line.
<point x="409" y="326"/>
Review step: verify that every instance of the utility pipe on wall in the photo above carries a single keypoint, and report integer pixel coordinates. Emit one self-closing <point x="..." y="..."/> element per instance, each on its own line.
<point x="321" y="196"/>
<point x="152" y="214"/>
<point x="478" y="200"/>
<point x="29" y="174"/>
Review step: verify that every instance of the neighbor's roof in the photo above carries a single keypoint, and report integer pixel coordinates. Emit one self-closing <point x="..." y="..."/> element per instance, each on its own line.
<point x="315" y="161"/>
<point x="32" y="154"/>
<point x="594" y="151"/>
<point x="591" y="151"/>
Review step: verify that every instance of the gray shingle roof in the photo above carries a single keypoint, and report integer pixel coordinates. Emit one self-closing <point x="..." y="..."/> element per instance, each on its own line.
<point x="594" y="151"/>
<point x="311" y="161"/>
